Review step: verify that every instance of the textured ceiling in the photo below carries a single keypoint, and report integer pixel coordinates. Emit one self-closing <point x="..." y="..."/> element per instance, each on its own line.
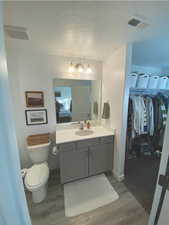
<point x="84" y="29"/>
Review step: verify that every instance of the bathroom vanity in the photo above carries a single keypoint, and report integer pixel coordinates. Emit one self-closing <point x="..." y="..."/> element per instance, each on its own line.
<point x="82" y="153"/>
<point x="83" y="156"/>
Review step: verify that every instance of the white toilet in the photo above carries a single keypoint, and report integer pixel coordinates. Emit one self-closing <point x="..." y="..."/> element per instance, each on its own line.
<point x="37" y="176"/>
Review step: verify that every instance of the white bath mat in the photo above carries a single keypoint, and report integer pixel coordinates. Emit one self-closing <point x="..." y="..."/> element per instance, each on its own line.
<point x="88" y="194"/>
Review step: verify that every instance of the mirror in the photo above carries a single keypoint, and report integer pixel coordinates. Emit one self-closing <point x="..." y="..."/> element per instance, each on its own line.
<point x="77" y="100"/>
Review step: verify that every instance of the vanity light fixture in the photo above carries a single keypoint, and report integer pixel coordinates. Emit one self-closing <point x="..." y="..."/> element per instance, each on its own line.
<point x="71" y="68"/>
<point x="89" y="69"/>
<point x="79" y="67"/>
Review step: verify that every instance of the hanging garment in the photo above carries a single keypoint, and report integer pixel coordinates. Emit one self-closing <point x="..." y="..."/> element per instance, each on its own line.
<point x="156" y="114"/>
<point x="163" y="119"/>
<point x="160" y="103"/>
<point x="139" y="114"/>
<point x="162" y="112"/>
<point x="130" y="128"/>
<point x="150" y="115"/>
<point x="147" y="121"/>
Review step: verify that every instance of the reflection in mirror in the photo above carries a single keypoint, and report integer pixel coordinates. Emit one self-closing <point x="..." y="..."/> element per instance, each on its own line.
<point x="76" y="100"/>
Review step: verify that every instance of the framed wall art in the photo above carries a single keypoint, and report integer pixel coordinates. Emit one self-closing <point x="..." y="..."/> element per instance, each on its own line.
<point x="34" y="99"/>
<point x="36" y="117"/>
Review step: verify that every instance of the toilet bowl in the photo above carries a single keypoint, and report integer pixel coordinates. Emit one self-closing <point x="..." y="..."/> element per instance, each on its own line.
<point x="36" y="181"/>
<point x="36" y="178"/>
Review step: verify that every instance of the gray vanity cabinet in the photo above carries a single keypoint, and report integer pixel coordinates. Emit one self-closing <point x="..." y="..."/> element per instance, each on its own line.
<point x="100" y="159"/>
<point x="85" y="158"/>
<point x="73" y="164"/>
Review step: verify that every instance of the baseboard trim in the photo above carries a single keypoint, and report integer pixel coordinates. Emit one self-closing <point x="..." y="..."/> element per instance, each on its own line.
<point x="118" y="177"/>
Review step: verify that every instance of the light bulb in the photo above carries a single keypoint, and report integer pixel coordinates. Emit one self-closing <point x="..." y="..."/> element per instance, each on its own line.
<point x="71" y="68"/>
<point x="88" y="70"/>
<point x="80" y="68"/>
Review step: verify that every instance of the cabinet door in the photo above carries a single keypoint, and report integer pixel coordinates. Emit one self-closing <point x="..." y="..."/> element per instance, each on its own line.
<point x="73" y="164"/>
<point x="100" y="158"/>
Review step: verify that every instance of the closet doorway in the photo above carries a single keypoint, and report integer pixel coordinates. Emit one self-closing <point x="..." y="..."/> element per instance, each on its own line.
<point x="148" y="85"/>
<point x="147" y="114"/>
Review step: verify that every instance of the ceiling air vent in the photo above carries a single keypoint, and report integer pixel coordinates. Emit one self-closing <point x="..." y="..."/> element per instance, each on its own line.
<point x="16" y="32"/>
<point x="135" y="22"/>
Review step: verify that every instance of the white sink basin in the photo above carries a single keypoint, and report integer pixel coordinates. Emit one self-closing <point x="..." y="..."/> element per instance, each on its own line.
<point x="84" y="132"/>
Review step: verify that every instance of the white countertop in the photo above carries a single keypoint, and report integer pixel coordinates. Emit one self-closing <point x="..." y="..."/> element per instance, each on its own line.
<point x="69" y="135"/>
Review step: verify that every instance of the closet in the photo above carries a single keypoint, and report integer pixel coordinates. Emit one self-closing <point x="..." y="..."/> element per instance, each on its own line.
<point x="147" y="115"/>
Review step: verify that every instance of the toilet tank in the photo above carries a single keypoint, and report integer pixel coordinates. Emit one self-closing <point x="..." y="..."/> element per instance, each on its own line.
<point x="39" y="153"/>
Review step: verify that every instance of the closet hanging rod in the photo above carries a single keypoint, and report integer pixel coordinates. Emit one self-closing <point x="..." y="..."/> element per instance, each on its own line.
<point x="148" y="91"/>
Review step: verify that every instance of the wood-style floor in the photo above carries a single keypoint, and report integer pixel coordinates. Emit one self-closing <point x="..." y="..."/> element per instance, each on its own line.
<point x="141" y="177"/>
<point x="125" y="211"/>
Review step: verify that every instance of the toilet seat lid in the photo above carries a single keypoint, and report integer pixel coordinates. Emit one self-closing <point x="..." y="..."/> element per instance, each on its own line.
<point x="37" y="175"/>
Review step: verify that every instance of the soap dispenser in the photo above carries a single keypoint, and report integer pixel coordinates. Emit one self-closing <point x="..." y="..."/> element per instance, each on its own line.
<point x="88" y="125"/>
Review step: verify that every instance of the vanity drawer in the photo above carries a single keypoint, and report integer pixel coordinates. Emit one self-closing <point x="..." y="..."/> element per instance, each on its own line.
<point x="107" y="139"/>
<point x="88" y="143"/>
<point x="67" y="146"/>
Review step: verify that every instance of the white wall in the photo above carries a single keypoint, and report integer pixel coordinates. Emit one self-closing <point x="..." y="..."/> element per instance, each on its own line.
<point x="147" y="69"/>
<point x="114" y="91"/>
<point x="34" y="71"/>
<point x="165" y="70"/>
<point x="152" y="52"/>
